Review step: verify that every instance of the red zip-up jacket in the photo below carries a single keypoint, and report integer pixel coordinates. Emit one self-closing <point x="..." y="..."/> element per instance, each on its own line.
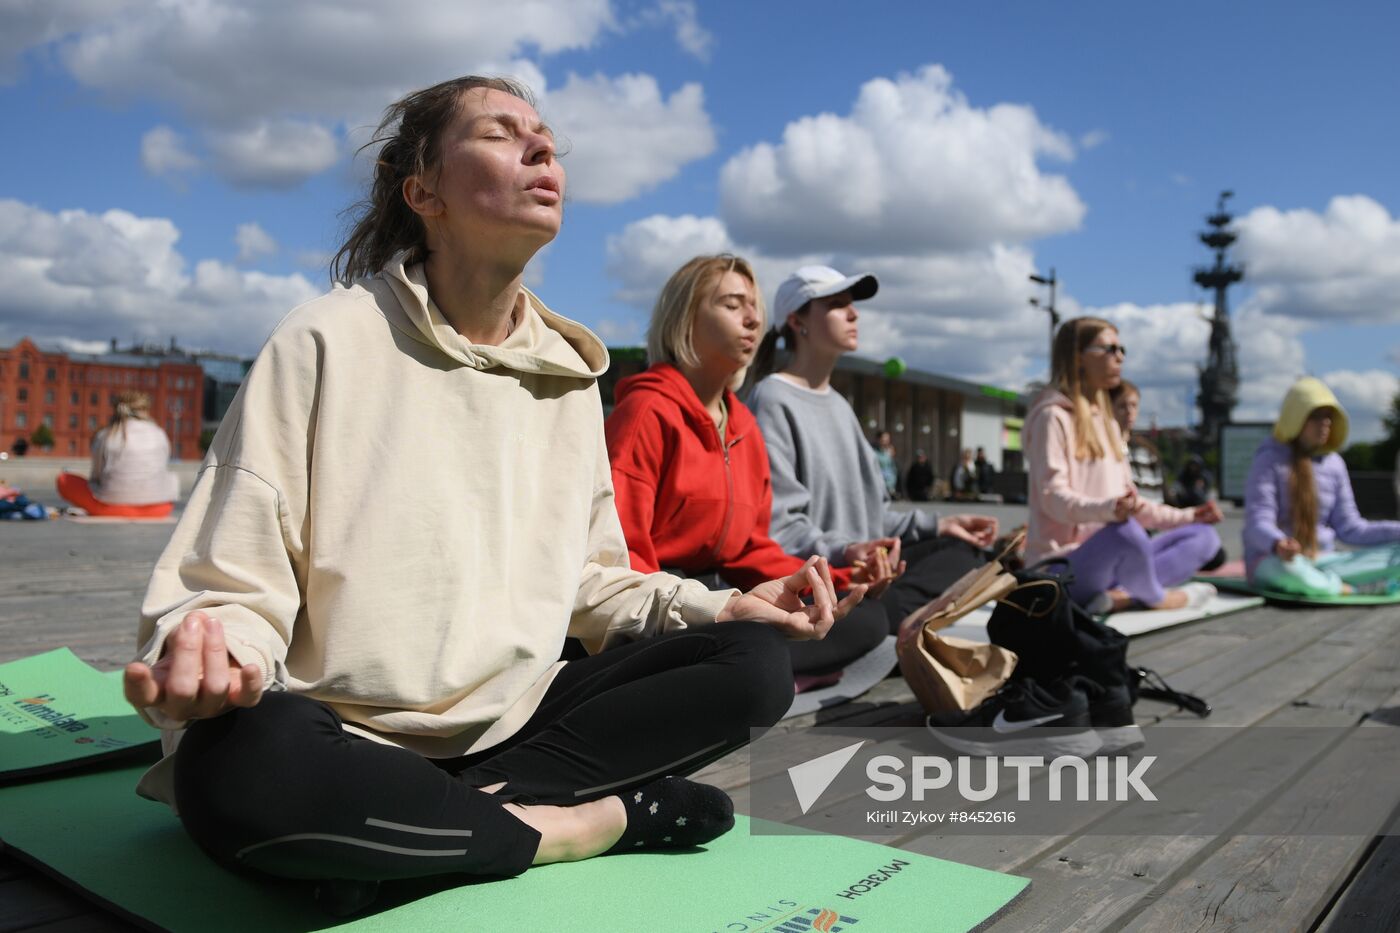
<point x="686" y="500"/>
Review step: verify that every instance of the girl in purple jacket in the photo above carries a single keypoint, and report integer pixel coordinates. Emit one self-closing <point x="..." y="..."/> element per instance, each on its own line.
<point x="1299" y="503"/>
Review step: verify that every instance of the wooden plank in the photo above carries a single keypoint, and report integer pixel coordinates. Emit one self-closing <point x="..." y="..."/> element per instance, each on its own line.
<point x="1120" y="876"/>
<point x="1288" y="880"/>
<point x="31" y="900"/>
<point x="1370" y="903"/>
<point x="1246" y="702"/>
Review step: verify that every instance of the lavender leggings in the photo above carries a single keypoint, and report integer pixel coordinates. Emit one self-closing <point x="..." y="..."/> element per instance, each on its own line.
<point x="1122" y="555"/>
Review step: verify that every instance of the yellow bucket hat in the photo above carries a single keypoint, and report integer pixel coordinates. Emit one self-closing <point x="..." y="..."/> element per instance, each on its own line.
<point x="1305" y="397"/>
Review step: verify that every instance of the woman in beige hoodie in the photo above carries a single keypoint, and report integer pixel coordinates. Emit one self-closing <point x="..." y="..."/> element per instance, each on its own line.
<point x="1083" y="504"/>
<point x="363" y="693"/>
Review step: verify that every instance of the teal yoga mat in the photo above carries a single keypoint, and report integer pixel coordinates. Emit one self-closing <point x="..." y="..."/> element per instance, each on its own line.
<point x="92" y="831"/>
<point x="1241" y="585"/>
<point x="56" y="713"/>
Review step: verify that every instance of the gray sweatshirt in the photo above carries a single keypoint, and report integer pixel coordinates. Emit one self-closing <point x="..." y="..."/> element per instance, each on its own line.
<point x="827" y="488"/>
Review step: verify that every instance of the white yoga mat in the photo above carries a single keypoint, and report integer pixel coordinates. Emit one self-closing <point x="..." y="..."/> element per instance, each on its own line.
<point x="973" y="626"/>
<point x="859" y="676"/>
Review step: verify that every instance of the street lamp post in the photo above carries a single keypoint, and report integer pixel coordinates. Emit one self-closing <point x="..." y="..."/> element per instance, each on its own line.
<point x="1050" y="307"/>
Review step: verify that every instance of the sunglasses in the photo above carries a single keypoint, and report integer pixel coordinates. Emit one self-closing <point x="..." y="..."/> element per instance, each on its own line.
<point x="1105" y="348"/>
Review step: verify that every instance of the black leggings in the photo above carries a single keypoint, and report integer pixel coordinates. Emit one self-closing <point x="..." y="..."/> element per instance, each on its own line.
<point x="863" y="628"/>
<point x="934" y="565"/>
<point x="281" y="788"/>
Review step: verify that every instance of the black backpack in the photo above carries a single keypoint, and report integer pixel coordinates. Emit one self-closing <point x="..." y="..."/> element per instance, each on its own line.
<point x="1053" y="637"/>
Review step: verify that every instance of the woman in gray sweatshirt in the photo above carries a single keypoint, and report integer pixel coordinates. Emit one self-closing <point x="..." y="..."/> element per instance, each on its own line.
<point x="829" y="498"/>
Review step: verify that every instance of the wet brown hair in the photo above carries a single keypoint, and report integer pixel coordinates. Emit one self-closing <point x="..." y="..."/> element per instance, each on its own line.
<point x="410" y="141"/>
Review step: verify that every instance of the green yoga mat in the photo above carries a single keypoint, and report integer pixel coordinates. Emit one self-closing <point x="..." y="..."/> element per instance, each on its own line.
<point x="57" y="713"/>
<point x="92" y="831"/>
<point x="1241" y="585"/>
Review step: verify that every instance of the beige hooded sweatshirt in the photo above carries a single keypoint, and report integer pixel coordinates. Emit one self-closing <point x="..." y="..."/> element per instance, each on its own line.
<point x="404" y="525"/>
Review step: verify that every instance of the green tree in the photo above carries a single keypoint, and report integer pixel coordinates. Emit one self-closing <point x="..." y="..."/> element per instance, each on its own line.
<point x="1361" y="457"/>
<point x="1383" y="453"/>
<point x="42" y="436"/>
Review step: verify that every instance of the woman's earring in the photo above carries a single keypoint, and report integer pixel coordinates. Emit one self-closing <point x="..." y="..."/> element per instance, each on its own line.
<point x="803" y="332"/>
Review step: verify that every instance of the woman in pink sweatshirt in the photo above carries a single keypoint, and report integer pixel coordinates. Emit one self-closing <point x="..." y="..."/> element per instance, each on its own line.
<point x="1083" y="505"/>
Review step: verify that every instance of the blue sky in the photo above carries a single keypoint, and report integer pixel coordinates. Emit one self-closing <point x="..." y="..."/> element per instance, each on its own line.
<point x="950" y="148"/>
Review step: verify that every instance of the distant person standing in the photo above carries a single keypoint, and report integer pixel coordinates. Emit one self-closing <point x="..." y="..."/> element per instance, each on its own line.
<point x="885" y="456"/>
<point x="130" y="477"/>
<point x="918" y="481"/>
<point x="1192" y="484"/>
<point x="986" y="473"/>
<point x="964" y="479"/>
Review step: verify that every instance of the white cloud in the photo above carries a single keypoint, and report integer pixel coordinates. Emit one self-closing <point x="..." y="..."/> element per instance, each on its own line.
<point x="253" y="242"/>
<point x="163" y="152"/>
<point x="234" y="62"/>
<point x="272" y="86"/>
<point x="73" y="345"/>
<point x="1093" y="139"/>
<point x="273" y="154"/>
<point x="690" y="35"/>
<point x="962" y="313"/>
<point x="86" y="276"/>
<point x="914" y="168"/>
<point x="966" y="314"/>
<point x="1366" y="396"/>
<point x="278" y="92"/>
<point x="643" y="256"/>
<point x="1340" y="266"/>
<point x="30" y="23"/>
<point x="614" y="333"/>
<point x="624" y="137"/>
<point x="314" y="259"/>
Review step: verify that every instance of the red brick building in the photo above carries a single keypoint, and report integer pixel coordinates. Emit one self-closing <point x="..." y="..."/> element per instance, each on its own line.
<point x="72" y="393"/>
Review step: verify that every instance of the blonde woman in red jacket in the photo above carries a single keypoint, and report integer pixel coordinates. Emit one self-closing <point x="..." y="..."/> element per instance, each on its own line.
<point x="689" y="467"/>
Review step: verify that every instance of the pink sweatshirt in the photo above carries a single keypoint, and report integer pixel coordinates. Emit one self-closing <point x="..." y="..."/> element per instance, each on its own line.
<point x="1071" y="499"/>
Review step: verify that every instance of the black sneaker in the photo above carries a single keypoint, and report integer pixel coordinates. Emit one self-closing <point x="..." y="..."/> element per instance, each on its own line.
<point x="1111" y="715"/>
<point x="1022" y="718"/>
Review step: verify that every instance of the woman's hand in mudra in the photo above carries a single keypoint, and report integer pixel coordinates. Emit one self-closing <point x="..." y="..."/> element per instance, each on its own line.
<point x="196" y="677"/>
<point x="779" y="602"/>
<point x="1208" y="513"/>
<point x="875" y="563"/>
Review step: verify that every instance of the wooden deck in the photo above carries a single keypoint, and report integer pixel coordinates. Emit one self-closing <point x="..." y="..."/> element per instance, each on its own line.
<point x="79" y="585"/>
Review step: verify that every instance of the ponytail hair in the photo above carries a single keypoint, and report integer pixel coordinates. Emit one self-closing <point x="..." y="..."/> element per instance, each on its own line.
<point x="409" y="138"/>
<point x="127" y="406"/>
<point x="765" y="359"/>
<point x="1065" y="375"/>
<point x="1302" y="499"/>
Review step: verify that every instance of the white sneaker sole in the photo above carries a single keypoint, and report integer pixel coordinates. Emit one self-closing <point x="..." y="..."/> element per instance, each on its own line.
<point x="1079" y="744"/>
<point x="1118" y="739"/>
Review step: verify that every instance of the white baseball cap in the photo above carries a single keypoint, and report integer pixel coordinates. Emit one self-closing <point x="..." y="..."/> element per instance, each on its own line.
<point x="819" y="282"/>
